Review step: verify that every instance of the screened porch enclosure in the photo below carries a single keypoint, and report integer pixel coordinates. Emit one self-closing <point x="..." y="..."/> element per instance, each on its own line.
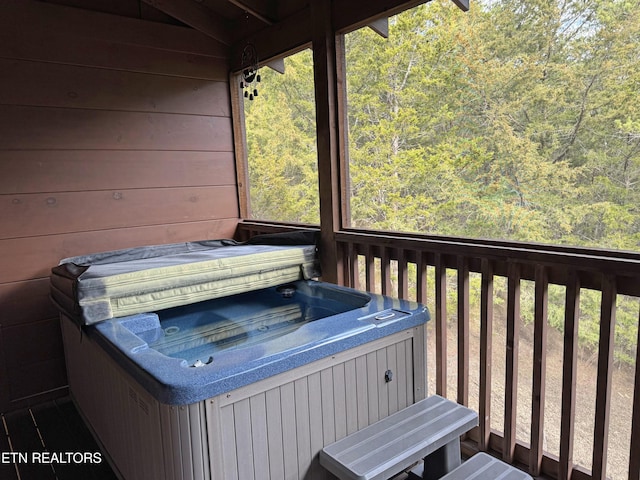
<point x="123" y="125"/>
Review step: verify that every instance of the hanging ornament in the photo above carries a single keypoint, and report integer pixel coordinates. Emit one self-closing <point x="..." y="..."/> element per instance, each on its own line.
<point x="249" y="71"/>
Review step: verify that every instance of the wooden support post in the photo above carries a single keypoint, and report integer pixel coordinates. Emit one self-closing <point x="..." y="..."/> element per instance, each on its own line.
<point x="240" y="144"/>
<point x="325" y="64"/>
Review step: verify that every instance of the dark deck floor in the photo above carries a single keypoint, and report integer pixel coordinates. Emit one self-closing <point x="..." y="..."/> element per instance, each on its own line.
<point x="49" y="442"/>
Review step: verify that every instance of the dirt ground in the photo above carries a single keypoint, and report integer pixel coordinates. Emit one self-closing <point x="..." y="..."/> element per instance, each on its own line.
<point x="621" y="396"/>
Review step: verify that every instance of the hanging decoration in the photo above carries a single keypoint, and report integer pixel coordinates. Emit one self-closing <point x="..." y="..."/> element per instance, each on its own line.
<point x="249" y="71"/>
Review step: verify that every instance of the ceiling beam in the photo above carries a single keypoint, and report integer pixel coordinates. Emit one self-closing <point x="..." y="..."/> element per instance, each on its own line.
<point x="276" y="64"/>
<point x="462" y="4"/>
<point x="349" y="16"/>
<point x="380" y="26"/>
<point x="196" y="16"/>
<point x="252" y="10"/>
<point x="294" y="32"/>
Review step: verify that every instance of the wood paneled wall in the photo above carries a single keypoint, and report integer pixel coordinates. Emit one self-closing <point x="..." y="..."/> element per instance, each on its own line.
<point x="114" y="132"/>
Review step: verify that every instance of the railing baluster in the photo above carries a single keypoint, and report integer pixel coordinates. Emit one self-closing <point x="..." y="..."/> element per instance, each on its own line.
<point x="486" y="332"/>
<point x="385" y="271"/>
<point x="403" y="275"/>
<point x="511" y="374"/>
<point x="441" y="326"/>
<point x="463" y="330"/>
<point x="569" y="364"/>
<point x="369" y="266"/>
<point x="603" y="386"/>
<point x="346" y="263"/>
<point x="354" y="277"/>
<point x="539" y="369"/>
<point x="421" y="277"/>
<point x="634" y="454"/>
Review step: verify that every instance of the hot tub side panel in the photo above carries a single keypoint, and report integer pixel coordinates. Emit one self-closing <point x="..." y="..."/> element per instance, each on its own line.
<point x="141" y="437"/>
<point x="274" y="429"/>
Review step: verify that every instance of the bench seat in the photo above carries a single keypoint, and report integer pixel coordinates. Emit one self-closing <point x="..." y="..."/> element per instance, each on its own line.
<point x="429" y="429"/>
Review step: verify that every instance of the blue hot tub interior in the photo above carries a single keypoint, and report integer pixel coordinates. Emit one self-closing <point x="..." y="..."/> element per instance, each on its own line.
<point x="186" y="354"/>
<point x="197" y="333"/>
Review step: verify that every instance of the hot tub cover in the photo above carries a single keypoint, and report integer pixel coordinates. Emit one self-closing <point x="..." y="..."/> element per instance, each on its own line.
<point x="96" y="287"/>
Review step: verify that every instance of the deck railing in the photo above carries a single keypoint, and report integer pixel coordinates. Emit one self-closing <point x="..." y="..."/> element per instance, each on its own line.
<point x="487" y="281"/>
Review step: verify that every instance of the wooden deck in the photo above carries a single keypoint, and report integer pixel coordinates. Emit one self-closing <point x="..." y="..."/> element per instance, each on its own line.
<point x="55" y="429"/>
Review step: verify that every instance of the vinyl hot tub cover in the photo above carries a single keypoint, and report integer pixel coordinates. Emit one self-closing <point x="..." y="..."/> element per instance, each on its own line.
<point x="96" y="287"/>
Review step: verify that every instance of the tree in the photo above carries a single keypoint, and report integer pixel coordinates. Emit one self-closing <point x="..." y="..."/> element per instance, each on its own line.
<point x="491" y="124"/>
<point x="281" y="141"/>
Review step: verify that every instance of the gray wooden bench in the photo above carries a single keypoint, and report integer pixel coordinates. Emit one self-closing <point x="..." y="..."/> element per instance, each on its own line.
<point x="429" y="429"/>
<point x="484" y="467"/>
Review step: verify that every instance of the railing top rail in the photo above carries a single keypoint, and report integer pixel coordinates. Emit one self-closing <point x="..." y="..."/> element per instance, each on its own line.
<point x="623" y="263"/>
<point x="589" y="263"/>
<point x="273" y="225"/>
<point x="618" y="255"/>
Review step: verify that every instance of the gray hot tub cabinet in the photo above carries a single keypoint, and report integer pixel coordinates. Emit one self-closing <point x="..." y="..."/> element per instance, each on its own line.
<point x="271" y="429"/>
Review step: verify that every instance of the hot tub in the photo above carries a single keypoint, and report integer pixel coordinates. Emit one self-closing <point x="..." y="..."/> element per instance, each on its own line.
<point x="186" y="354"/>
<point x="251" y="385"/>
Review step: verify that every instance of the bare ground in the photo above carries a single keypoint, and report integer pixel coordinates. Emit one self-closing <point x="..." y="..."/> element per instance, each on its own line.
<point x="621" y="396"/>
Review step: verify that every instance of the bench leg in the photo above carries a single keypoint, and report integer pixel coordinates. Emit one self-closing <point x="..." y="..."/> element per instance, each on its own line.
<point x="439" y="463"/>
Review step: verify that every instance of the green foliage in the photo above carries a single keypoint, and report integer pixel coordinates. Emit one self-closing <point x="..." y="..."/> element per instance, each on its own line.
<point x="281" y="140"/>
<point x="516" y="120"/>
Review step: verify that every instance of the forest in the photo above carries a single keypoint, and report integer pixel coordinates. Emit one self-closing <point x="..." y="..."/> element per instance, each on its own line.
<point x="517" y="120"/>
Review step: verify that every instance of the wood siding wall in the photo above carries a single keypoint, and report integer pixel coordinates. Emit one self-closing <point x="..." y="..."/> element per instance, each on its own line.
<point x="114" y="132"/>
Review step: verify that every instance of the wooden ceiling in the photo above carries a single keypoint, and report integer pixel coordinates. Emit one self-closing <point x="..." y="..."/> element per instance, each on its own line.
<point x="227" y="21"/>
<point x="276" y="27"/>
